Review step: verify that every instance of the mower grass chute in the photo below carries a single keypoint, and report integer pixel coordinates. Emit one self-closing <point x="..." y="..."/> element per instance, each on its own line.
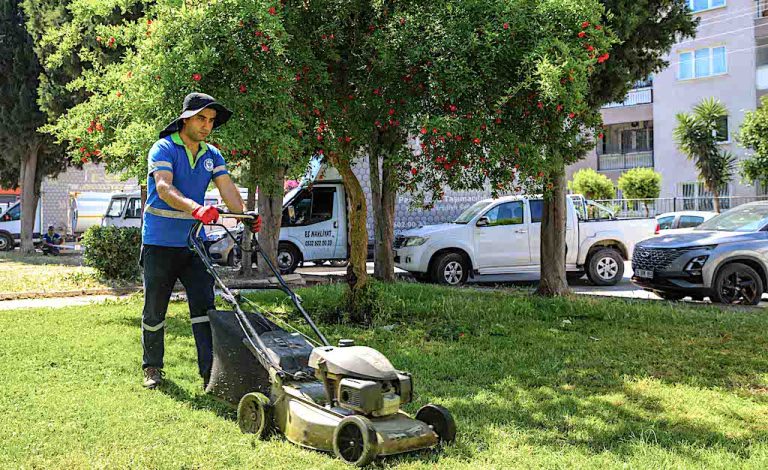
<point x="344" y="399"/>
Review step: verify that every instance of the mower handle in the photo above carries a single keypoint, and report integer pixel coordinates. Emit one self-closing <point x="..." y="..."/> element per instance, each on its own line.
<point x="194" y="243"/>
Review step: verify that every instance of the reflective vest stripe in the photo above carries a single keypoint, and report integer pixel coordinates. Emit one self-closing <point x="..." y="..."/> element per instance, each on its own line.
<point x="164" y="165"/>
<point x="169" y="213"/>
<point x="203" y="319"/>
<point x="157" y="327"/>
<point x="219" y="168"/>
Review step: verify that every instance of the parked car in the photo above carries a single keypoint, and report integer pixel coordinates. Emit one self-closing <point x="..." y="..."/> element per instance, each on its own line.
<point x="683" y="221"/>
<point x="502" y="236"/>
<point x="725" y="259"/>
<point x="10" y="226"/>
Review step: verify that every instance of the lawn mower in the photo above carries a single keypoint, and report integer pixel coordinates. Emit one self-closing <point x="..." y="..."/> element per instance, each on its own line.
<point x="343" y="399"/>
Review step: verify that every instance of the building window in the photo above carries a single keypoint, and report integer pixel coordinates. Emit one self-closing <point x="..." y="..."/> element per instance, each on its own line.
<point x="705" y="62"/>
<point x="722" y="130"/>
<point x="701" y="5"/>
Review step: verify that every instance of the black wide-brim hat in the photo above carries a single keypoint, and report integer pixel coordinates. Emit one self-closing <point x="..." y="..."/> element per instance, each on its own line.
<point x="193" y="104"/>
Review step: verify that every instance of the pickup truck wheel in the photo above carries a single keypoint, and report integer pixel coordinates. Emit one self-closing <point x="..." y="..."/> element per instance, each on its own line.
<point x="451" y="269"/>
<point x="6" y="242"/>
<point x="287" y="258"/>
<point x="605" y="267"/>
<point x="737" y="284"/>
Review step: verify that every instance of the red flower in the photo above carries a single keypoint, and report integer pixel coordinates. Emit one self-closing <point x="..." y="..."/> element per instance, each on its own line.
<point x="82" y="149"/>
<point x="600" y="135"/>
<point x="84" y="160"/>
<point x="391" y="111"/>
<point x="196" y="77"/>
<point x="598" y="27"/>
<point x="590" y="47"/>
<point x="347" y="139"/>
<point x="258" y="34"/>
<point x="497" y="121"/>
<point x="376" y="91"/>
<point x="505" y="26"/>
<point x="571" y="115"/>
<point x="119" y="94"/>
<point x="414" y="171"/>
<point x="540" y="105"/>
<point x="584" y="24"/>
<point x="423" y="130"/>
<point x="476" y="141"/>
<point x="582" y="34"/>
<point x="99" y="127"/>
<point x="90" y="130"/>
<point x="272" y="10"/>
<point x="98" y="38"/>
<point x="603" y="58"/>
<point x="264" y="48"/>
<point x="149" y="22"/>
<point x="377" y="123"/>
<point x="298" y="77"/>
<point x="483" y="127"/>
<point x="559" y="108"/>
<point x="243" y="89"/>
<point x="233" y="152"/>
<point x="452" y="108"/>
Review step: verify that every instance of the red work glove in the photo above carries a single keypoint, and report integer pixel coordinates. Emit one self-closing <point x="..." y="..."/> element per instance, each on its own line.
<point x="255" y="223"/>
<point x="206" y="214"/>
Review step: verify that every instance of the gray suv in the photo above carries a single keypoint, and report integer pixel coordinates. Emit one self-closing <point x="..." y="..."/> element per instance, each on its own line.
<point x="725" y="259"/>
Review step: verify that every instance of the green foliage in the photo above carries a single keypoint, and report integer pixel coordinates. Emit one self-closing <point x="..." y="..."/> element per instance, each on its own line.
<point x="640" y="183"/>
<point x="113" y="251"/>
<point x="753" y="135"/>
<point x="592" y="185"/>
<point x="696" y="135"/>
<point x="233" y="50"/>
<point x="646" y="31"/>
<point x="20" y="115"/>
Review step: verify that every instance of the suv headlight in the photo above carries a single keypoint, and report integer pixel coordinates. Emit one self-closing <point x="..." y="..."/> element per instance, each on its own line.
<point x="415" y="241"/>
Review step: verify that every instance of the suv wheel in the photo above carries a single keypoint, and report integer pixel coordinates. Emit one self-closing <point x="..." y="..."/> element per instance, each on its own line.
<point x="605" y="267"/>
<point x="737" y="283"/>
<point x="451" y="269"/>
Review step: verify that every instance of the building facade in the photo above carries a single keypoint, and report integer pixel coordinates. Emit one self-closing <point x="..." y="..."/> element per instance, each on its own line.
<point x="728" y="60"/>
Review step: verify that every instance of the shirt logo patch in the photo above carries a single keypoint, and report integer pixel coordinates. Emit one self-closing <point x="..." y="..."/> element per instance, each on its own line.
<point x="208" y="164"/>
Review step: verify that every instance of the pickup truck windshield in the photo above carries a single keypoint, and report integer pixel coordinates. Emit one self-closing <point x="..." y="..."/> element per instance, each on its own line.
<point x="471" y="212"/>
<point x="740" y="219"/>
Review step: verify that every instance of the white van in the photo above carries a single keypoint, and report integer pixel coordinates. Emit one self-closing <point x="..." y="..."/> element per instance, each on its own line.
<point x="10" y="226"/>
<point x="124" y="209"/>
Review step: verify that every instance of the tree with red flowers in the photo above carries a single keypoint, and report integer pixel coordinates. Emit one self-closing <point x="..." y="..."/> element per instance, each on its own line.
<point x="233" y="50"/>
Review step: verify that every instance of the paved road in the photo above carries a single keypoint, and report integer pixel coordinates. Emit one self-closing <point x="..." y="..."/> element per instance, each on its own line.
<point x="624" y="289"/>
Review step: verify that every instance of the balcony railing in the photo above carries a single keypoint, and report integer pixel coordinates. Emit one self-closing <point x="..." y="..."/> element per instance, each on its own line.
<point x="634" y="97"/>
<point x="624" y="161"/>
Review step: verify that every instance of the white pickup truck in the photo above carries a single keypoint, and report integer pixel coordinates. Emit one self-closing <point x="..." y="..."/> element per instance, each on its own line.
<point x="501" y="236"/>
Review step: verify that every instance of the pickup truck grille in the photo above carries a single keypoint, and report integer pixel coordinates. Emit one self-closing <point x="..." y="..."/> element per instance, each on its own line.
<point x="655" y="259"/>
<point x="399" y="240"/>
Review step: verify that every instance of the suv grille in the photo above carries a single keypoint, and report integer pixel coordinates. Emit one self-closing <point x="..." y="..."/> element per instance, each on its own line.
<point x="656" y="259"/>
<point x="399" y="240"/>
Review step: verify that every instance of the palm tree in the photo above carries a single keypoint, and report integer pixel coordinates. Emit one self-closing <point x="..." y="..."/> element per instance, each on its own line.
<point x="696" y="135"/>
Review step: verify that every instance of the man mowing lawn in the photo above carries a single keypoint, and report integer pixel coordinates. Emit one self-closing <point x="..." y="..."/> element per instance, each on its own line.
<point x="181" y="166"/>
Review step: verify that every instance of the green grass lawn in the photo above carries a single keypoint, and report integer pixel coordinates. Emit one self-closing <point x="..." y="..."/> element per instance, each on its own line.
<point x="567" y="383"/>
<point x="38" y="273"/>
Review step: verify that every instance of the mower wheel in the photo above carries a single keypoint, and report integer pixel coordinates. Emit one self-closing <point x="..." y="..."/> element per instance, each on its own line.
<point x="254" y="415"/>
<point x="354" y="441"/>
<point x="440" y="420"/>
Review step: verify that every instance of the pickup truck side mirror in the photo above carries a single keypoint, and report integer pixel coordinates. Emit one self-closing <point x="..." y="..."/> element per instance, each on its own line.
<point x="482" y="222"/>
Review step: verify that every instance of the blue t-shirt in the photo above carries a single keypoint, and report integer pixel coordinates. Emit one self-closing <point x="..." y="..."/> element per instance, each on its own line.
<point x="164" y="225"/>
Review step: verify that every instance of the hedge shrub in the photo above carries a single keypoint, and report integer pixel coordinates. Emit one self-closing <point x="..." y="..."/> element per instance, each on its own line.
<point x="113" y="251"/>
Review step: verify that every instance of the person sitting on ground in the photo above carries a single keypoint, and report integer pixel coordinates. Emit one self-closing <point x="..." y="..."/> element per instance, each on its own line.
<point x="51" y="240"/>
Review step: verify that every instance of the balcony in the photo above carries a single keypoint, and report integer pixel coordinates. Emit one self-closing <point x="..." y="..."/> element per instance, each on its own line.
<point x="624" y="161"/>
<point x="634" y="97"/>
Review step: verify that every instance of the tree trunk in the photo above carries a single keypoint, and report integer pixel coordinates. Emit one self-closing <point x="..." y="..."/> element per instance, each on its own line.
<point x="29" y="198"/>
<point x="357" y="275"/>
<point x="384" y="192"/>
<point x="716" y="199"/>
<point x="246" y="268"/>
<point x="271" y="211"/>
<point x="553" y="225"/>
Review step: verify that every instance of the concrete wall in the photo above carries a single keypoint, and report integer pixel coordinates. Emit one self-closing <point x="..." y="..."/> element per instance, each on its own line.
<point x="56" y="192"/>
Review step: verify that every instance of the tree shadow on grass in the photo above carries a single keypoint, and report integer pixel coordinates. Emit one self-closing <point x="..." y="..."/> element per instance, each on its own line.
<point x="200" y="401"/>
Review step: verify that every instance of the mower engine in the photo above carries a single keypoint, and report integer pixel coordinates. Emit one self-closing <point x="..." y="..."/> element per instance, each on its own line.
<point x="361" y="379"/>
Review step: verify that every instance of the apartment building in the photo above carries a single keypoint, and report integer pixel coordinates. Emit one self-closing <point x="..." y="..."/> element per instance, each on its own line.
<point x="728" y="59"/>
